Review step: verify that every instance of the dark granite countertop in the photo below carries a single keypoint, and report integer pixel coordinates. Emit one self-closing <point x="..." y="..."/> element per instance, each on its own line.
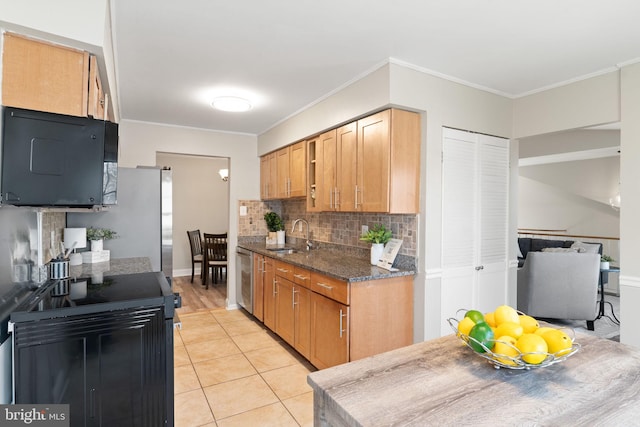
<point x="331" y="262"/>
<point x="112" y="267"/>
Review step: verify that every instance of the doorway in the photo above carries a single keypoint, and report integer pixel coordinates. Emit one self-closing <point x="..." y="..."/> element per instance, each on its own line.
<point x="200" y="202"/>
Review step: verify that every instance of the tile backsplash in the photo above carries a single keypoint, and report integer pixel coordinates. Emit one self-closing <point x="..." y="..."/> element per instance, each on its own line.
<point x="343" y="228"/>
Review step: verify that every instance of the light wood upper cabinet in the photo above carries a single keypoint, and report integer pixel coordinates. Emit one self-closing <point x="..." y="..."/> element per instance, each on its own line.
<point x="268" y="176"/>
<point x="346" y="167"/>
<point x="97" y="107"/>
<point x="283" y="173"/>
<point x="38" y="75"/>
<point x="298" y="169"/>
<point x="388" y="166"/>
<point x="369" y="165"/>
<point x="322" y="172"/>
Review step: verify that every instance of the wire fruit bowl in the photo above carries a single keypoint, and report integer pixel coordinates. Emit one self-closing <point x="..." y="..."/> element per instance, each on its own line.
<point x="514" y="362"/>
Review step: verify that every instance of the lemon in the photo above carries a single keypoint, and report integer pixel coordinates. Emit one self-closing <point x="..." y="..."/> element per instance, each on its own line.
<point x="481" y="334"/>
<point x="506" y="346"/>
<point x="558" y="342"/>
<point x="465" y="325"/>
<point x="490" y="319"/>
<point x="475" y="315"/>
<point x="529" y="324"/>
<point x="541" y="331"/>
<point x="533" y="348"/>
<point x="511" y="329"/>
<point x="505" y="313"/>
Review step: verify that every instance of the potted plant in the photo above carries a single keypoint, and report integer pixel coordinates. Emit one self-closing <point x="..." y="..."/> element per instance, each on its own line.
<point x="605" y="261"/>
<point x="377" y="235"/>
<point x="98" y="235"/>
<point x="275" y="225"/>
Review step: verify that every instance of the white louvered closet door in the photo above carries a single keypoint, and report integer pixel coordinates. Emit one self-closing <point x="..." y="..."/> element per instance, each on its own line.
<point x="475" y="180"/>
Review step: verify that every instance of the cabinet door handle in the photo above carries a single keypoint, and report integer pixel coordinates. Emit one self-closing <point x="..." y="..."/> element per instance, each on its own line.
<point x="275" y="285"/>
<point x="337" y="198"/>
<point x="341" y="323"/>
<point x="92" y="403"/>
<point x="480" y="267"/>
<point x="283" y="270"/>
<point x="301" y="277"/>
<point x="324" y="286"/>
<point x="293" y="298"/>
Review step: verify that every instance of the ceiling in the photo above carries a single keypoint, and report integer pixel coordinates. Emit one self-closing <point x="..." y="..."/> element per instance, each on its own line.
<point x="171" y="58"/>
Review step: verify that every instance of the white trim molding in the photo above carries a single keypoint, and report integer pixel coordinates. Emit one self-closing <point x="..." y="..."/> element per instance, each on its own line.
<point x="632" y="281"/>
<point x="596" y="153"/>
<point x="434" y="273"/>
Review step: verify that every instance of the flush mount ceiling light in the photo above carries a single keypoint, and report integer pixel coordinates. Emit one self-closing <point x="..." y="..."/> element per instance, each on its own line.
<point x="231" y="103"/>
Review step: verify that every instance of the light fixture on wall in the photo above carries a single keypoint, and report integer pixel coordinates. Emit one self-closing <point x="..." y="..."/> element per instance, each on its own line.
<point x="224" y="174"/>
<point x="75" y="238"/>
<point x="231" y="103"/>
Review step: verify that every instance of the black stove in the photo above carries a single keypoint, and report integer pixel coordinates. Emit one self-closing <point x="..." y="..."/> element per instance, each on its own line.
<point x="65" y="297"/>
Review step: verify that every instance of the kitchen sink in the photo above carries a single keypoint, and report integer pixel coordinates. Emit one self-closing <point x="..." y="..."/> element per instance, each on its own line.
<point x="283" y="251"/>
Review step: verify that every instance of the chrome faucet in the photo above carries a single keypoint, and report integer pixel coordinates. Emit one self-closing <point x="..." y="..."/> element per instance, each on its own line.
<point x="308" y="243"/>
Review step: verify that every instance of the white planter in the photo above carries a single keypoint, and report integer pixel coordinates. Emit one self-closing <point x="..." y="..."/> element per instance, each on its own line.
<point x="96" y="245"/>
<point x="604" y="265"/>
<point x="280" y="237"/>
<point x="376" y="252"/>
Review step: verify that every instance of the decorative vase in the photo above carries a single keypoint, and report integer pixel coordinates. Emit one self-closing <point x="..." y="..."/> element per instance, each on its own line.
<point x="376" y="252"/>
<point x="280" y="237"/>
<point x="604" y="265"/>
<point x="96" y="245"/>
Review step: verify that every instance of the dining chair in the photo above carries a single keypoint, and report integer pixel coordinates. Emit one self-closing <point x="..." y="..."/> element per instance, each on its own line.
<point x="195" y="242"/>
<point x="215" y="256"/>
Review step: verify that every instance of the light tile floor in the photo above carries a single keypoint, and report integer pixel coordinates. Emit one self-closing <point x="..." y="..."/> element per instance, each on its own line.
<point x="230" y="371"/>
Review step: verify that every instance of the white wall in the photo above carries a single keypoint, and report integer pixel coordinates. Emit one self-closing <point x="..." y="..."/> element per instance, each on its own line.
<point x="588" y="102"/>
<point x="81" y="20"/>
<point x="356" y="100"/>
<point x="200" y="201"/>
<point x="139" y="143"/>
<point x="595" y="181"/>
<point x="630" y="207"/>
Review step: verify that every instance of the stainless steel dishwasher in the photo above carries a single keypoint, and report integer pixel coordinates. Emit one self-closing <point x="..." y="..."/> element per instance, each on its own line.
<point x="244" y="278"/>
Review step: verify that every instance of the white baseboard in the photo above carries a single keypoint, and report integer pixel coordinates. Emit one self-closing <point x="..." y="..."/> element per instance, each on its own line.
<point x="186" y="272"/>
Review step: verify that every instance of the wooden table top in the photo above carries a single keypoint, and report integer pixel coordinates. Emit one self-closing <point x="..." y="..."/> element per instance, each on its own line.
<point x="442" y="382"/>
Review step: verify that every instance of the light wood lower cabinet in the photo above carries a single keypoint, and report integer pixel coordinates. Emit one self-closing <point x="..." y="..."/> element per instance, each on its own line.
<point x="269" y="294"/>
<point x="331" y="321"/>
<point x="284" y="310"/>
<point x="329" y="332"/>
<point x="258" y="286"/>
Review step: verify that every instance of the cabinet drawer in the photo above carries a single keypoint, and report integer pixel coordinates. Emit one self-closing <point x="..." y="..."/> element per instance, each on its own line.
<point x="284" y="269"/>
<point x="333" y="288"/>
<point x="302" y="277"/>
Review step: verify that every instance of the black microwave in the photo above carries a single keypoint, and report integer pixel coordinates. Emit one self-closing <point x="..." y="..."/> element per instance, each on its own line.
<point x="57" y="160"/>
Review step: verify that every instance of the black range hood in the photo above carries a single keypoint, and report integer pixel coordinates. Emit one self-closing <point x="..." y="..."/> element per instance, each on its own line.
<point x="55" y="160"/>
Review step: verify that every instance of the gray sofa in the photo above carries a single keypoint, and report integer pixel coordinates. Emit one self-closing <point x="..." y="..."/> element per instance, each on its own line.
<point x="529" y="244"/>
<point x="559" y="285"/>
